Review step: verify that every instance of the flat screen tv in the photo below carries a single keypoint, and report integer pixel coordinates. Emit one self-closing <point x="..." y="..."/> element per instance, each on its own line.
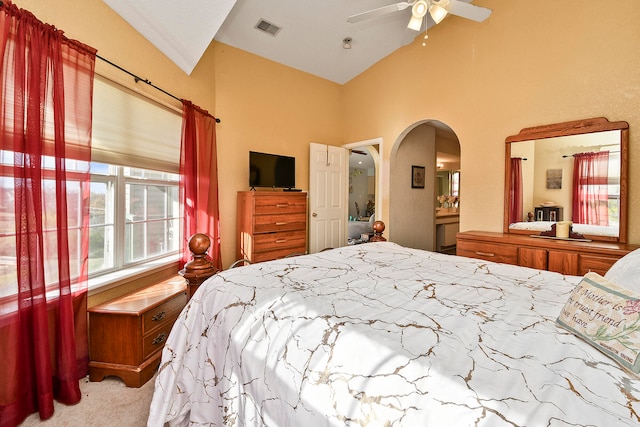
<point x="271" y="170"/>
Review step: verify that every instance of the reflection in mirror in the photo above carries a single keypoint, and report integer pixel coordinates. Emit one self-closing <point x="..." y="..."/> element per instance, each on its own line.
<point x="448" y="178"/>
<point x="448" y="183"/>
<point x="547" y="182"/>
<point x="448" y="196"/>
<point x="362" y="179"/>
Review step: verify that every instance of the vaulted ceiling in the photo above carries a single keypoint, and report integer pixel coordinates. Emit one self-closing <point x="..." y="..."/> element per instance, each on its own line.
<point x="309" y="36"/>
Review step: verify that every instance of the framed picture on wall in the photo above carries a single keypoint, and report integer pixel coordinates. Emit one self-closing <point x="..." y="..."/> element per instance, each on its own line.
<point x="554" y="179"/>
<point x="417" y="176"/>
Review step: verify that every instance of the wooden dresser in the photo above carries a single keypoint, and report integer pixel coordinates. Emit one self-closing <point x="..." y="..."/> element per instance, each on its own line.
<point x="271" y="225"/>
<point x="562" y="256"/>
<point x="127" y="333"/>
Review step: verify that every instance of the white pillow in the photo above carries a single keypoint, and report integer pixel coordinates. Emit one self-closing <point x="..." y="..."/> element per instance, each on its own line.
<point x="626" y="271"/>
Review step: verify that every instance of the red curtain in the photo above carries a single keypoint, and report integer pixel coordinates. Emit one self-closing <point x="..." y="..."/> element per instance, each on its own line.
<point x="590" y="188"/>
<point x="45" y="129"/>
<point x="199" y="179"/>
<point x="515" y="190"/>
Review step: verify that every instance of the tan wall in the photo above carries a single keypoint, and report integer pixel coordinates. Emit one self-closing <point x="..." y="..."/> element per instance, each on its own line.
<point x="530" y="63"/>
<point x="267" y="107"/>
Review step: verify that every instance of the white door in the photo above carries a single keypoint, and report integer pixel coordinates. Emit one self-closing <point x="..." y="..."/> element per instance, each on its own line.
<point x="328" y="172"/>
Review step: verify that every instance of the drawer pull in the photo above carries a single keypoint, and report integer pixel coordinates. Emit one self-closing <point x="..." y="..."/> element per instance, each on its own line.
<point x="281" y="223"/>
<point x="281" y="240"/>
<point x="158" y="316"/>
<point x="485" y="253"/>
<point x="159" y="339"/>
<point x="282" y="205"/>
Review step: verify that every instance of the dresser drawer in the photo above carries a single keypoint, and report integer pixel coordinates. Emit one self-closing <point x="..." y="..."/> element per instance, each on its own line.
<point x="598" y="264"/>
<point x="278" y="253"/>
<point x="274" y="241"/>
<point x="281" y="222"/>
<point x="275" y="204"/>
<point x="506" y="254"/>
<point x="157" y="316"/>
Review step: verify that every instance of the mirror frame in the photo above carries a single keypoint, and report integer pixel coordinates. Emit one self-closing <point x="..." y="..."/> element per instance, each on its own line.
<point x="576" y="127"/>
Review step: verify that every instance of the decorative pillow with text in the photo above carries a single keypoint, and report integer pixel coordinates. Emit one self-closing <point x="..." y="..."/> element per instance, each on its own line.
<point x="607" y="316"/>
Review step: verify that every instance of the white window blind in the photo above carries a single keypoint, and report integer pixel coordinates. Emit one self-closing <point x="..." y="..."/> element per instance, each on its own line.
<point x="131" y="130"/>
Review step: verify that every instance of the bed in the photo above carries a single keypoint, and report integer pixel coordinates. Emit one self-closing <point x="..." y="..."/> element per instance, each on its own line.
<point x="381" y="335"/>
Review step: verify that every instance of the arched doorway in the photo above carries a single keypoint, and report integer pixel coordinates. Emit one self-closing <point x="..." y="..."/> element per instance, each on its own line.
<point x="412" y="208"/>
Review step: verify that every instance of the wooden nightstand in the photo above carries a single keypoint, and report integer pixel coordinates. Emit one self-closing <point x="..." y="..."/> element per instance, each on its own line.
<point x="127" y="334"/>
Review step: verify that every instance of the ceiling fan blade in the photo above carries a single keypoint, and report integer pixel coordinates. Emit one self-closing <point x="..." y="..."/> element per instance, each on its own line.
<point x="379" y="11"/>
<point x="359" y="152"/>
<point x="469" y="11"/>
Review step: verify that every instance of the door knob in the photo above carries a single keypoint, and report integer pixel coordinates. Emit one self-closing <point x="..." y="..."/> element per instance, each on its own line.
<point x="314" y="214"/>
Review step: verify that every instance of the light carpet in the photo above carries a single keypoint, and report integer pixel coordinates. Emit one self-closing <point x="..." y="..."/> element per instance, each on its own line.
<point x="106" y="403"/>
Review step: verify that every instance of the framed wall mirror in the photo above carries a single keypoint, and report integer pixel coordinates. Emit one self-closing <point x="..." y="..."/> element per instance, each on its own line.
<point x="546" y="179"/>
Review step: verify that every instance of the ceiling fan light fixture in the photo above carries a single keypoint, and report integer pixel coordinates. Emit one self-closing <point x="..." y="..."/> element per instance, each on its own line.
<point x="415" y="24"/>
<point x="418" y="11"/>
<point x="437" y="12"/>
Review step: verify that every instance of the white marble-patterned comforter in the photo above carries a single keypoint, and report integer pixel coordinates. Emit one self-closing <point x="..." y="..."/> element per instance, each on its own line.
<point x="381" y="335"/>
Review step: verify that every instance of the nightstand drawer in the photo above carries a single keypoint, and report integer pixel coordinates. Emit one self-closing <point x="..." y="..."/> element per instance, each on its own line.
<point x="164" y="312"/>
<point x="155" y="341"/>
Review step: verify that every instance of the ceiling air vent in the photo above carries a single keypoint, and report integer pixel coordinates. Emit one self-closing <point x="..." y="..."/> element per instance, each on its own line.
<point x="267" y="27"/>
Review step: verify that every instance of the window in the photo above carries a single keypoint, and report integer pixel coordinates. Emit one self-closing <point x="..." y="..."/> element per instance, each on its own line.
<point x="135" y="206"/>
<point x="8" y="276"/>
<point x="135" y="216"/>
<point x="7" y="236"/>
<point x="135" y="213"/>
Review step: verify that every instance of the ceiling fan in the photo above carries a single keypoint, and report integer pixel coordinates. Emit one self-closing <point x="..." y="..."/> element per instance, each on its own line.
<point x="437" y="9"/>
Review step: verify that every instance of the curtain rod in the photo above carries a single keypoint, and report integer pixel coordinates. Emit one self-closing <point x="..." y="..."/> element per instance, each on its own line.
<point x="140" y="79"/>
<point x="573" y="155"/>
